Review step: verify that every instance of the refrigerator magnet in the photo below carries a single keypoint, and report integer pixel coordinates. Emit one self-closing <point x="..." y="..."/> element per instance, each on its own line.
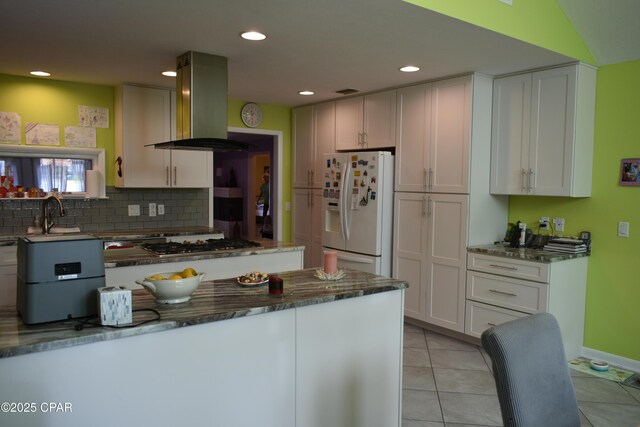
<point x="327" y="184"/>
<point x="338" y="176"/>
<point x="337" y="194"/>
<point x="373" y="179"/>
<point x="325" y="193"/>
<point x="354" y="164"/>
<point x="373" y="195"/>
<point x="331" y="193"/>
<point x="329" y="162"/>
<point x="354" y="158"/>
<point x="356" y="173"/>
<point x="355" y="182"/>
<point x="365" y="173"/>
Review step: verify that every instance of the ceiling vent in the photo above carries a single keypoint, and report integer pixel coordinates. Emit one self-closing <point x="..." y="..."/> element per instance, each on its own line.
<point x="347" y="91"/>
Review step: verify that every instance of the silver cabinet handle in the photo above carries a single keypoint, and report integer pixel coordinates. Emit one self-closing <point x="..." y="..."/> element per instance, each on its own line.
<point x="524" y="177"/>
<point x="430" y="178"/>
<point x="364" y="139"/>
<point x="503" y="267"/>
<point x="312" y="176"/>
<point x="166" y="172"/>
<point x="424" y="209"/>
<point x="175" y="175"/>
<point x="495" y="291"/>
<point x="311" y="198"/>
<point x="360" y="138"/>
<point x="425" y="183"/>
<point x="428" y="206"/>
<point x="491" y="324"/>
<point x="531" y="172"/>
<point x="308" y="176"/>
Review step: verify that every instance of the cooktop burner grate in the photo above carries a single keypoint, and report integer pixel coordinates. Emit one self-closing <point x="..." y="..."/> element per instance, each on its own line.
<point x="210" y="245"/>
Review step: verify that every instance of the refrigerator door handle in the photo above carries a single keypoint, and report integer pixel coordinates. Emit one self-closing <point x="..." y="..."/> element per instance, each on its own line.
<point x="354" y="259"/>
<point x="346" y="171"/>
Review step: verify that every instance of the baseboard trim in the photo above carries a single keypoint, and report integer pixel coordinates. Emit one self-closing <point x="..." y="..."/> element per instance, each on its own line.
<point x="612" y="359"/>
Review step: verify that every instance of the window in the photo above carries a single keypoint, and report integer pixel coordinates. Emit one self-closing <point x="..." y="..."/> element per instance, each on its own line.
<point x="50" y="168"/>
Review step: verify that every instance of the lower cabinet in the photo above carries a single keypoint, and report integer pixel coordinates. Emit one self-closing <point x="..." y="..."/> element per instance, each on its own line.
<point x="500" y="289"/>
<point x="8" y="275"/>
<point x="307" y="224"/>
<point x="429" y="252"/>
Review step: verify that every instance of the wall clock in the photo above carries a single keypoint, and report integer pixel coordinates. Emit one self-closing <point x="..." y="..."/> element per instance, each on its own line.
<point x="251" y="114"/>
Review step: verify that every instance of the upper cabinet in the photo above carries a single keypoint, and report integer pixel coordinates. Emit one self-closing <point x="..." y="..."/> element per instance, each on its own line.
<point x="542" y="132"/>
<point x="366" y="122"/>
<point x="314" y="132"/>
<point x="146" y="116"/>
<point x="434" y="136"/>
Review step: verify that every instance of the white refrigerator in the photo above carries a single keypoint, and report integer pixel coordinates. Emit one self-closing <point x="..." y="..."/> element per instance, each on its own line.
<point x="357" y="204"/>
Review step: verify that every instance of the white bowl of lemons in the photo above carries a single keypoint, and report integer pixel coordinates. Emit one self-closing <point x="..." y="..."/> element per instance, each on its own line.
<point x="172" y="287"/>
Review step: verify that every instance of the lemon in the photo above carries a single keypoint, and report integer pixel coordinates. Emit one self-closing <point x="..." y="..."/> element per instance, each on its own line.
<point x="175" y="277"/>
<point x="156" y="277"/>
<point x="189" y="272"/>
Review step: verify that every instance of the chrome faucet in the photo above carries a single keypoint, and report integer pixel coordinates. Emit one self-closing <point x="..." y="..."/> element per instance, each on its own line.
<point x="47" y="223"/>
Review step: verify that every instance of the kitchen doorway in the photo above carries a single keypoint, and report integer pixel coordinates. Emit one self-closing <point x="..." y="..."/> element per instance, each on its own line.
<point x="240" y="169"/>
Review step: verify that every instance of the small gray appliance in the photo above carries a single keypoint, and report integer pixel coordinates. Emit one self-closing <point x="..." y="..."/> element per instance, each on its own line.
<point x="58" y="277"/>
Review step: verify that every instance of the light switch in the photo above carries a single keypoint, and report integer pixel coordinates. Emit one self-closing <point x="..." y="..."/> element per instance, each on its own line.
<point x="152" y="209"/>
<point x="623" y="229"/>
<point x="160" y="209"/>
<point x="134" y="210"/>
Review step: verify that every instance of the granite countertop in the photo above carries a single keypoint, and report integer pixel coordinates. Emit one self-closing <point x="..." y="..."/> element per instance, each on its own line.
<point x="127" y="234"/>
<point x="213" y="301"/>
<point x="528" y="254"/>
<point x="138" y="256"/>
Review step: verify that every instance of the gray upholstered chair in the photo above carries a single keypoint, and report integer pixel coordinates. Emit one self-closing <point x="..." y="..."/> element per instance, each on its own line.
<point x="532" y="373"/>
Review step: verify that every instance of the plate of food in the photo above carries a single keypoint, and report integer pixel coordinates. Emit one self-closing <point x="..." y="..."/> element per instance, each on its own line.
<point x="254" y="278"/>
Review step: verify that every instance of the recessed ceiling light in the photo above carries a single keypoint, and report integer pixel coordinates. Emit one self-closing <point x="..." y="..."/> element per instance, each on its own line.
<point x="169" y="73"/>
<point x="253" y="35"/>
<point x="409" y="69"/>
<point x="40" y="73"/>
<point x="306" y="92"/>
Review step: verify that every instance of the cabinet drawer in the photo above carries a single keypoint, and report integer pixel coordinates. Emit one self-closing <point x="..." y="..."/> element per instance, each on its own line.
<point x="515" y="294"/>
<point x="480" y="317"/>
<point x="511" y="267"/>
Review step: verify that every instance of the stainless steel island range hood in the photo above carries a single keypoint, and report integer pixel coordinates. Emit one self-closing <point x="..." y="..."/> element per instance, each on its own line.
<point x="201" y="105"/>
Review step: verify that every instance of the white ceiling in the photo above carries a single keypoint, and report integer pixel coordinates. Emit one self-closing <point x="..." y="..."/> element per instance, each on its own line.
<point x="609" y="28"/>
<point x="323" y="45"/>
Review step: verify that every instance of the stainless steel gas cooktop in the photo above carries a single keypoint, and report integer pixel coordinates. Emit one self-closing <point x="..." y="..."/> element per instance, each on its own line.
<point x="209" y="245"/>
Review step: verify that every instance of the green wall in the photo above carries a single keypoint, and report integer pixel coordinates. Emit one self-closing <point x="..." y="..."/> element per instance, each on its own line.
<point x="613" y="293"/>
<point x="56" y="102"/>
<point x="539" y="22"/>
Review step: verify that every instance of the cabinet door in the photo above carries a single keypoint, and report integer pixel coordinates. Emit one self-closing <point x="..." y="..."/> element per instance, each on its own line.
<point x="302" y="146"/>
<point x="349" y="115"/>
<point x="413" y="133"/>
<point x="145" y="118"/>
<point x="380" y="120"/>
<point x="325" y="139"/>
<point x="552" y="126"/>
<point x="315" y="257"/>
<point x="450" y="136"/>
<point x="410" y="250"/>
<point x="302" y="221"/>
<point x="446" y="260"/>
<point x="510" y="134"/>
<point x="191" y="169"/>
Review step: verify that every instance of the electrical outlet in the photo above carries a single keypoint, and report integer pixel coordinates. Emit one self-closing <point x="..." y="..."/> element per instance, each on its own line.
<point x="544" y="223"/>
<point x="160" y="209"/>
<point x="152" y="209"/>
<point x="134" y="210"/>
<point x="623" y="229"/>
<point x="558" y="224"/>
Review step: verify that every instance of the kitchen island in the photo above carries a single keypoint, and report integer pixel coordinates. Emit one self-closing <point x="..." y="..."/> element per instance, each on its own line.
<point x="322" y="353"/>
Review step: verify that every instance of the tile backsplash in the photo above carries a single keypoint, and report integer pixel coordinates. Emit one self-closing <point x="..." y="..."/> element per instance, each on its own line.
<point x="182" y="208"/>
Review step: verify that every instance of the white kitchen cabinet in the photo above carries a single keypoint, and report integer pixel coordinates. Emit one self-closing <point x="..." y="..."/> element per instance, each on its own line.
<point x="542" y="132"/>
<point x="366" y="122"/>
<point x="445" y="125"/>
<point x="500" y="289"/>
<point x="313" y="135"/>
<point x="430" y="234"/>
<point x="434" y="136"/>
<point x="8" y="275"/>
<point x="145" y="116"/>
<point x="307" y="224"/>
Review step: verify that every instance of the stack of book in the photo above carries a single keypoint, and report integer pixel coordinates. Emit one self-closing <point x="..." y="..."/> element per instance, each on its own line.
<point x="562" y="244"/>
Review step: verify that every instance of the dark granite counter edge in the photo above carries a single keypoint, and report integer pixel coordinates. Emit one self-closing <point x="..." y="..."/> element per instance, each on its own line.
<point x="152" y="259"/>
<point x="112" y="333"/>
<point x="527" y="254"/>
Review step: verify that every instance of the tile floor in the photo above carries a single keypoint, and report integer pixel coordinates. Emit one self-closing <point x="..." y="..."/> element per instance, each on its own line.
<point x="448" y="383"/>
